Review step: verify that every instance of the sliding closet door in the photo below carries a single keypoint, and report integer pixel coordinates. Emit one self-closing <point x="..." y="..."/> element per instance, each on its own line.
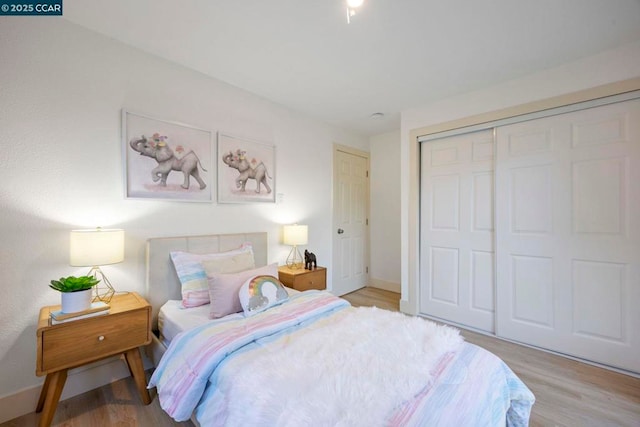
<point x="456" y="230"/>
<point x="568" y="233"/>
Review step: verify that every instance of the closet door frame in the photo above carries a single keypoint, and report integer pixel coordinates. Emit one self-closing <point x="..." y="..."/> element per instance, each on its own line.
<point x="601" y="95"/>
<point x="410" y="227"/>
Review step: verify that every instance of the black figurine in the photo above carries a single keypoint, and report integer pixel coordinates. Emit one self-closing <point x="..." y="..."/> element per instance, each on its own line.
<point x="309" y="258"/>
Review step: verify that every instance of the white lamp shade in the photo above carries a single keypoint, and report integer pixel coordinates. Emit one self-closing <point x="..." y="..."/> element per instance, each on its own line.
<point x="295" y="235"/>
<point x="92" y="248"/>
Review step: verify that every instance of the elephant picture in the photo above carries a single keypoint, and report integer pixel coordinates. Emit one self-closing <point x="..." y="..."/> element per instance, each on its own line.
<point x="245" y="170"/>
<point x="166" y="160"/>
<point x="159" y="150"/>
<point x="258" y="172"/>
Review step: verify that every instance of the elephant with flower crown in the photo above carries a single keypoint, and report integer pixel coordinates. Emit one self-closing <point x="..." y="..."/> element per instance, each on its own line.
<point x="159" y="150"/>
<point x="259" y="172"/>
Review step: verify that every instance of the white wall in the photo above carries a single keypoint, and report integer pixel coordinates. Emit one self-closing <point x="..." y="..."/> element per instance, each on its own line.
<point x="62" y="89"/>
<point x="384" y="182"/>
<point x="608" y="67"/>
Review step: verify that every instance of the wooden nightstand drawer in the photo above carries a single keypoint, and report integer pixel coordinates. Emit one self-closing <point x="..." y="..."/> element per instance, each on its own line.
<point x="90" y="339"/>
<point x="67" y="345"/>
<point x="311" y="280"/>
<point x="303" y="280"/>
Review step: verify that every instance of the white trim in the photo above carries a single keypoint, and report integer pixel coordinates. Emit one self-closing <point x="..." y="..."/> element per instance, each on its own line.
<point x="19" y="403"/>
<point x="80" y="380"/>
<point x="351" y="150"/>
<point x="532" y="116"/>
<point x="155" y="350"/>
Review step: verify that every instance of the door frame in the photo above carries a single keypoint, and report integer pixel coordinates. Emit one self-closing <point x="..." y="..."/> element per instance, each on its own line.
<point x="366" y="155"/>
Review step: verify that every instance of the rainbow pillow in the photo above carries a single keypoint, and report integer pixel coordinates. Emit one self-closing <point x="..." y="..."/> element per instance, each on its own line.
<point x="259" y="293"/>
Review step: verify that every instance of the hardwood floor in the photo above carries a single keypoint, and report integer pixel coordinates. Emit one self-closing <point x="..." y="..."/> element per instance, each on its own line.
<point x="374" y="297"/>
<point x="568" y="393"/>
<point x="115" y="404"/>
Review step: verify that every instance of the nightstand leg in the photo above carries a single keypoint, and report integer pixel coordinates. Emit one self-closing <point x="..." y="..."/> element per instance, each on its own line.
<point x="134" y="360"/>
<point x="43" y="393"/>
<point x="49" y="396"/>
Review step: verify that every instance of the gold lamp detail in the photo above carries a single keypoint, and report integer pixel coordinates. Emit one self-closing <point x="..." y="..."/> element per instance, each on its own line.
<point x="295" y="235"/>
<point x="93" y="248"/>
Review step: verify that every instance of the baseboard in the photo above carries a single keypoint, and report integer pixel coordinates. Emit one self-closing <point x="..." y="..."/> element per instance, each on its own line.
<point x="155" y="350"/>
<point x="79" y="380"/>
<point x="385" y="285"/>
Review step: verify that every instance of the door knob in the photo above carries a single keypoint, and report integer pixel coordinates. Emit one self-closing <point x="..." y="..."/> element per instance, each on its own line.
<point x="340" y="231"/>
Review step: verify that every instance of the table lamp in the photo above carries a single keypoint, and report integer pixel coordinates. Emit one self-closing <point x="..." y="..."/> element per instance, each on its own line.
<point x="93" y="248"/>
<point x="295" y="235"/>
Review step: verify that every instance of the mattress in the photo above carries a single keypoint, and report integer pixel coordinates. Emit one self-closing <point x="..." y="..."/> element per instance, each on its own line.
<point x="173" y="318"/>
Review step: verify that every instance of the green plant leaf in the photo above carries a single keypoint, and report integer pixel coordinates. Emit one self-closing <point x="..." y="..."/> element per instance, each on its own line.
<point x="74" y="284"/>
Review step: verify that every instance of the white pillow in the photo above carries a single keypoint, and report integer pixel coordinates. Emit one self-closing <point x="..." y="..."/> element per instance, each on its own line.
<point x="223" y="289"/>
<point x="261" y="292"/>
<point x="193" y="277"/>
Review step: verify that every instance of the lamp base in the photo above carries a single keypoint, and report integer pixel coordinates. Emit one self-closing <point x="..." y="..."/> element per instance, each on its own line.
<point x="294" y="260"/>
<point x="103" y="291"/>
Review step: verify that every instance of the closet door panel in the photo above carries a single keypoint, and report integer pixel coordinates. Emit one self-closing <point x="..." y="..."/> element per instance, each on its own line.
<point x="568" y="233"/>
<point x="457" y="278"/>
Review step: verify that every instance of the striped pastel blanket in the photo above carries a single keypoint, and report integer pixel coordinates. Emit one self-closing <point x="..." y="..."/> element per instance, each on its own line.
<point x="182" y="374"/>
<point x="316" y="361"/>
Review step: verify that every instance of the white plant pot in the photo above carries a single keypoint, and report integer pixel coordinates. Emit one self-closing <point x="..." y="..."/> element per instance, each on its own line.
<point x="76" y="301"/>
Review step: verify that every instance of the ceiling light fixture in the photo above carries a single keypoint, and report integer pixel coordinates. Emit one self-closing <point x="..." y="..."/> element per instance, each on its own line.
<point x="352" y="7"/>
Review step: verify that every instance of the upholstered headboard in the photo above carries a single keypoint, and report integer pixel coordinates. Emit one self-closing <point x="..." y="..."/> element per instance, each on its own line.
<point x="162" y="281"/>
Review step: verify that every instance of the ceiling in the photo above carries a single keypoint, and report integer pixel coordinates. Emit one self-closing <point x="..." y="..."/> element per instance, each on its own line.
<point x="395" y="54"/>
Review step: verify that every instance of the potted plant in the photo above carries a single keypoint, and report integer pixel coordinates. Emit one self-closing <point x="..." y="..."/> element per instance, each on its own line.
<point x="75" y="292"/>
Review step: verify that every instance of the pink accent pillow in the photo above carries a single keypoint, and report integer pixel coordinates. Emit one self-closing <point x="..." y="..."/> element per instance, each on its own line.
<point x="223" y="289"/>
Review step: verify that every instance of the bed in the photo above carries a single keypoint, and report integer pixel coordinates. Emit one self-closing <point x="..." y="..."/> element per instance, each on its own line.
<point x="312" y="359"/>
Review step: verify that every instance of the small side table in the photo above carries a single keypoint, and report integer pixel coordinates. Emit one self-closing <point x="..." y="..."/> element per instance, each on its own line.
<point x="67" y="345"/>
<point x="303" y="280"/>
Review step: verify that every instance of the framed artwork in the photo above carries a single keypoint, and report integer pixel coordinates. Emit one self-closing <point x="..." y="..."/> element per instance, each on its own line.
<point x="166" y="160"/>
<point x="246" y="170"/>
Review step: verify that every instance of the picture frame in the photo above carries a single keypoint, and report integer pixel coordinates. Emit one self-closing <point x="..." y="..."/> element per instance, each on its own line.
<point x="246" y="170"/>
<point x="166" y="160"/>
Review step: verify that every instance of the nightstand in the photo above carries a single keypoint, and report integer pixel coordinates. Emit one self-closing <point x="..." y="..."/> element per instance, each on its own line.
<point x="68" y="345"/>
<point x="303" y="280"/>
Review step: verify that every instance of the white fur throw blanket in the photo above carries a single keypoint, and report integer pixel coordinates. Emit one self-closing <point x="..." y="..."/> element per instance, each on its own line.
<point x="352" y="369"/>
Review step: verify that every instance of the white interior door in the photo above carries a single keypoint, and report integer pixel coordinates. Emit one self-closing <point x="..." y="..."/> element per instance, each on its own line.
<point x="457" y="278"/>
<point x="350" y="212"/>
<point x="568" y="233"/>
